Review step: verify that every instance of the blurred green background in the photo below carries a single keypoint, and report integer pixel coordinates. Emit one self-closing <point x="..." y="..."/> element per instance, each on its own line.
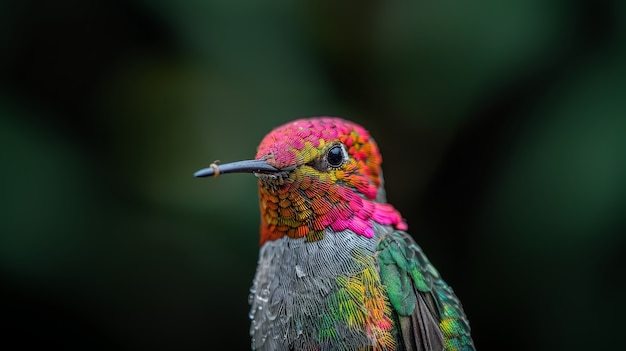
<point x="502" y="125"/>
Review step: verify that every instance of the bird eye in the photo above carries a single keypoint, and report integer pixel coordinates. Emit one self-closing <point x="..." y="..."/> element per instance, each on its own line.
<point x="334" y="156"/>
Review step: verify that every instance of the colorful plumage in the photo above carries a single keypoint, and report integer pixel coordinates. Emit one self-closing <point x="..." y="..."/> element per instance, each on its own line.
<point x="336" y="269"/>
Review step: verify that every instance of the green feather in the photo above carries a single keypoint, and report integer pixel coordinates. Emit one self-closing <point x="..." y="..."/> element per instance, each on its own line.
<point x="399" y="285"/>
<point x="411" y="279"/>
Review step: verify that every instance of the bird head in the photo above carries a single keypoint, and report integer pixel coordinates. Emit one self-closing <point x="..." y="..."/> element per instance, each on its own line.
<point x="317" y="174"/>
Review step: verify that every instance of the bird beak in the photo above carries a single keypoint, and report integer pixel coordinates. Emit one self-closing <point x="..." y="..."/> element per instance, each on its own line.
<point x="247" y="166"/>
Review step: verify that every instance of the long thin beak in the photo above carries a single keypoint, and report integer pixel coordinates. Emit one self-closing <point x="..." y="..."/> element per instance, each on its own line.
<point x="246" y="166"/>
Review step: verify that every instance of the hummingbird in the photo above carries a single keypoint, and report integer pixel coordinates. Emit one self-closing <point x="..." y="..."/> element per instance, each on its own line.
<point x="337" y="269"/>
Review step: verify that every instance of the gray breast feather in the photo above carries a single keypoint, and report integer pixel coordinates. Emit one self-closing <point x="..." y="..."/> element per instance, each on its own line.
<point x="292" y="283"/>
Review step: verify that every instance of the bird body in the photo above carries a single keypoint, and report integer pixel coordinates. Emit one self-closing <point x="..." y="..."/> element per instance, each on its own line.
<point x="337" y="269"/>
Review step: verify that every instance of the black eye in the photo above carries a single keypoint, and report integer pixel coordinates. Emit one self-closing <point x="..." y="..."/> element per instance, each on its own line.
<point x="335" y="156"/>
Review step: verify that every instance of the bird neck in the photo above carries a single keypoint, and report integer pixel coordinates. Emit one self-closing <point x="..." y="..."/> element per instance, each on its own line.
<point x="309" y="210"/>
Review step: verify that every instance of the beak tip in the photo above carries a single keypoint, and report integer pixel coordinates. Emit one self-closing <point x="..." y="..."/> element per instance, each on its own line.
<point x="206" y="172"/>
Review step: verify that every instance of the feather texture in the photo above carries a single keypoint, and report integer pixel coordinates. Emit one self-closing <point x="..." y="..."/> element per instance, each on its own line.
<point x="430" y="314"/>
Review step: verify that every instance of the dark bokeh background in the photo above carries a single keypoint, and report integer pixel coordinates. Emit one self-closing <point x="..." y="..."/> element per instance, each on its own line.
<point x="502" y="125"/>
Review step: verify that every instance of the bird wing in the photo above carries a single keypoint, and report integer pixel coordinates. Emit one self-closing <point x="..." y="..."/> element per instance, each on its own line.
<point x="429" y="314"/>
